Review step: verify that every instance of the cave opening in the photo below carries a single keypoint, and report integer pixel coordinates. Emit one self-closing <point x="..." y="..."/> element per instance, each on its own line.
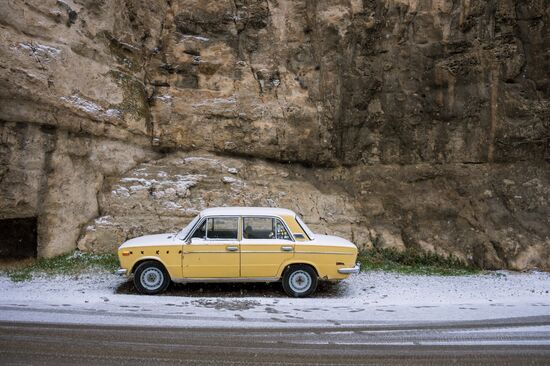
<point x="18" y="238"/>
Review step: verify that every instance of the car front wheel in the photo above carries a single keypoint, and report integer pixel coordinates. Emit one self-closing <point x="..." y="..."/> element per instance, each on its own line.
<point x="299" y="280"/>
<point x="151" y="278"/>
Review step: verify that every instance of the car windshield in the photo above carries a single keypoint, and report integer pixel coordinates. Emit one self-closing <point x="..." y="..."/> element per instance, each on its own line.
<point x="182" y="234"/>
<point x="305" y="228"/>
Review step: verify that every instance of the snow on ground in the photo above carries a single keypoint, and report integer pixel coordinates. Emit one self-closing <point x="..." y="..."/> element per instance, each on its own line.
<point x="501" y="286"/>
<point x="364" y="299"/>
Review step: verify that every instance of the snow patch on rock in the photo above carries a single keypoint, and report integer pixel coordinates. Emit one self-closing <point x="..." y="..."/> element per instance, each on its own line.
<point x="196" y="38"/>
<point x="230" y="180"/>
<point x="171" y="205"/>
<point x="104" y="220"/>
<point x="40" y="50"/>
<point x="90" y="107"/>
<point x="120" y="191"/>
<point x="215" y="101"/>
<point x="164" y="98"/>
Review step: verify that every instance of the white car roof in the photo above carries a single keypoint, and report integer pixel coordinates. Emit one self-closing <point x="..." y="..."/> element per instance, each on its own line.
<point x="244" y="211"/>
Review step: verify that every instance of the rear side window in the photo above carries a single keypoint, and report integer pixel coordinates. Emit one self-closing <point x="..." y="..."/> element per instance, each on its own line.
<point x="222" y="227"/>
<point x="264" y="228"/>
<point x="258" y="228"/>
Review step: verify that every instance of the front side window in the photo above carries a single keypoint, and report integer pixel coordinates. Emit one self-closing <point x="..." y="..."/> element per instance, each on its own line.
<point x="264" y="228"/>
<point x="222" y="227"/>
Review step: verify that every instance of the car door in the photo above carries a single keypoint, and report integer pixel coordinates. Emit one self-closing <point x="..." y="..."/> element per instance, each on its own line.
<point x="265" y="245"/>
<point x="213" y="250"/>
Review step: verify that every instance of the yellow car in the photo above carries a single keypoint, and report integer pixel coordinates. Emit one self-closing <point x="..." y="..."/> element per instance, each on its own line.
<point x="239" y="244"/>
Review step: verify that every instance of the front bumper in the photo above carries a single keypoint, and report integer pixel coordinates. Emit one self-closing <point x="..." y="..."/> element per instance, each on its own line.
<point x="121" y="271"/>
<point x="353" y="270"/>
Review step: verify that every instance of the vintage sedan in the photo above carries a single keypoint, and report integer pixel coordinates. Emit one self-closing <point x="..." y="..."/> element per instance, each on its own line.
<point x="239" y="244"/>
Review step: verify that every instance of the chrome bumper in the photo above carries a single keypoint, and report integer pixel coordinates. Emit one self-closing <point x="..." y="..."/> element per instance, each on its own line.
<point x="121" y="271"/>
<point x="353" y="270"/>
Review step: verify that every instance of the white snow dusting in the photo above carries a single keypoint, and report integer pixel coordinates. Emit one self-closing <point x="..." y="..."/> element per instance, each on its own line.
<point x="90" y="107"/>
<point x="171" y="205"/>
<point x="215" y="101"/>
<point x="364" y="299"/>
<point x="40" y="50"/>
<point x="104" y="220"/>
<point x="193" y="37"/>
<point x="230" y="180"/>
<point x="164" y="98"/>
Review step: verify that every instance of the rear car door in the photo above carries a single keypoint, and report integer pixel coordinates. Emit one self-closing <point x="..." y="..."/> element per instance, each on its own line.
<point x="266" y="244"/>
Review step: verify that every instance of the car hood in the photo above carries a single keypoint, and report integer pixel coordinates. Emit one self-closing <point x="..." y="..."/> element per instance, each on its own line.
<point x="332" y="240"/>
<point x="158" y="239"/>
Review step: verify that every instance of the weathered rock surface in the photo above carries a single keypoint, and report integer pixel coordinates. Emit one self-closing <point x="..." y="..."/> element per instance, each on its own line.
<point x="491" y="215"/>
<point x="166" y="194"/>
<point x="55" y="175"/>
<point x="474" y="213"/>
<point x="400" y="122"/>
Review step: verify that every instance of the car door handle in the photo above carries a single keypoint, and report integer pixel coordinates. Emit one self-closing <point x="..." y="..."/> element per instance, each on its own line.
<point x="231" y="249"/>
<point x="286" y="248"/>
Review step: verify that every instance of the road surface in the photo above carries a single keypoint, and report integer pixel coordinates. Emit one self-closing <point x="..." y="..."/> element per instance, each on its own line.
<point x="373" y="318"/>
<point x="514" y="341"/>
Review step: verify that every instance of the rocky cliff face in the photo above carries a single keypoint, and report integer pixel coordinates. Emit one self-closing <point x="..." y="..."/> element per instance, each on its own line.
<point x="396" y="123"/>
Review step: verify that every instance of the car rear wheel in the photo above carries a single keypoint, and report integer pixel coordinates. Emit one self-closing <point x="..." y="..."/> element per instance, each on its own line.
<point x="300" y="280"/>
<point x="151" y="278"/>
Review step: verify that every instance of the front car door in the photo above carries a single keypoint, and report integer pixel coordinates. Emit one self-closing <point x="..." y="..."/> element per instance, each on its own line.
<point x="213" y="250"/>
<point x="265" y="245"/>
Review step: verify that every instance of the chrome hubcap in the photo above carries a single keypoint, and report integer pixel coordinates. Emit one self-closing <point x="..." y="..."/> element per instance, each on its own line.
<point x="151" y="278"/>
<point x="300" y="281"/>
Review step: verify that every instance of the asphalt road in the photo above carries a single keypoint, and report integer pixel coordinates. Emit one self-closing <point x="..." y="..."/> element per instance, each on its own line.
<point x="523" y="341"/>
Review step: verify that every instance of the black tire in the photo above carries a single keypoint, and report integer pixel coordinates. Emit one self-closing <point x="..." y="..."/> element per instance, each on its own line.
<point x="151" y="278"/>
<point x="300" y="280"/>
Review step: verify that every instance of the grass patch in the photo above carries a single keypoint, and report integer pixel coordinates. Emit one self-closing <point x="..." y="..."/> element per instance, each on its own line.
<point x="68" y="264"/>
<point x="413" y="261"/>
<point x="408" y="262"/>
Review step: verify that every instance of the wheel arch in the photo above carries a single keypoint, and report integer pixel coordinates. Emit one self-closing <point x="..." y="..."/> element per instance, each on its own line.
<point x="286" y="265"/>
<point x="148" y="259"/>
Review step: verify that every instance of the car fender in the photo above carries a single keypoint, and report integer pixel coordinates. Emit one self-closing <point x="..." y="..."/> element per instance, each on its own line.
<point x="146" y="258"/>
<point x="295" y="261"/>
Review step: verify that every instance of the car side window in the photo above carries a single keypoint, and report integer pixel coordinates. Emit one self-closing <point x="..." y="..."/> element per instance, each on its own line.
<point x="281" y="231"/>
<point x="258" y="228"/>
<point x="222" y="227"/>
<point x="200" y="232"/>
<point x="264" y="228"/>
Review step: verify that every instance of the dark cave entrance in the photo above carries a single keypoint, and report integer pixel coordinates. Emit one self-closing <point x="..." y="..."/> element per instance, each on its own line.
<point x="18" y="238"/>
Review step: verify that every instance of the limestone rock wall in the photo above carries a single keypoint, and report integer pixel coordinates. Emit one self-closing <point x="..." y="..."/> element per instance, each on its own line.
<point x="341" y="82"/>
<point x="400" y="123"/>
<point x="491" y="215"/>
<point x="166" y="194"/>
<point x="55" y="175"/>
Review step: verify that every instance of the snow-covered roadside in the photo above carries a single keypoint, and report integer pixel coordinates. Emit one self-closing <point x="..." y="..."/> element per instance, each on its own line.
<point x="364" y="299"/>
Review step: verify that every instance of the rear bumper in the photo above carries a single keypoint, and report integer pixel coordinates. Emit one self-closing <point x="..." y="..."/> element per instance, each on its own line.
<point x="121" y="271"/>
<point x="353" y="270"/>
